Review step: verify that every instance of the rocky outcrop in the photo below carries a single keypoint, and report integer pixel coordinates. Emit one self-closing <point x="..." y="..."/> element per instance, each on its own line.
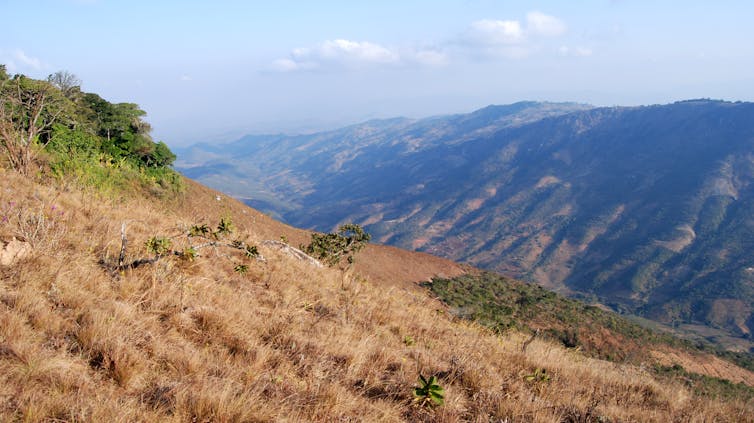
<point x="13" y="251"/>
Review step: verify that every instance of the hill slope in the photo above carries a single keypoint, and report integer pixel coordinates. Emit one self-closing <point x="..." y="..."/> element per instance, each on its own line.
<point x="194" y="340"/>
<point x="646" y="209"/>
<point x="285" y="175"/>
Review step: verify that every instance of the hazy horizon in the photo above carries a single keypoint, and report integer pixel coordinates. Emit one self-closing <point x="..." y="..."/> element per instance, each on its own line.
<point x="204" y="72"/>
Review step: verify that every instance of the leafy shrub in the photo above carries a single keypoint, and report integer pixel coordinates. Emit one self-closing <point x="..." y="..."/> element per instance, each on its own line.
<point x="429" y="393"/>
<point x="159" y="246"/>
<point x="334" y="247"/>
<point x="225" y="227"/>
<point x="199" y="230"/>
<point x="162" y="247"/>
<point x="189" y="254"/>
<point x="539" y="375"/>
<point x="251" y="251"/>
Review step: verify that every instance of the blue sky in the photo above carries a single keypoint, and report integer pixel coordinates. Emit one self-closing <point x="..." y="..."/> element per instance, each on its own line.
<point x="211" y="71"/>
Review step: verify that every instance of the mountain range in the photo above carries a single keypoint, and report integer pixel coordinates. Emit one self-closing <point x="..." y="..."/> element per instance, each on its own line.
<point x="644" y="209"/>
<point x="131" y="293"/>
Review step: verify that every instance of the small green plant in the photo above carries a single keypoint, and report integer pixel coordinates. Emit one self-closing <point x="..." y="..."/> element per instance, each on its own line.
<point x="539" y="375"/>
<point x="283" y="239"/>
<point x="158" y="245"/>
<point x="251" y="251"/>
<point x="161" y="247"/>
<point x="408" y="340"/>
<point x="189" y="254"/>
<point x="199" y="230"/>
<point x="429" y="393"/>
<point x="225" y="227"/>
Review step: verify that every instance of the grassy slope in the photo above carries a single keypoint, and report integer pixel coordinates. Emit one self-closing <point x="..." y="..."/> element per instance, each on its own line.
<point x="502" y="303"/>
<point x="195" y="341"/>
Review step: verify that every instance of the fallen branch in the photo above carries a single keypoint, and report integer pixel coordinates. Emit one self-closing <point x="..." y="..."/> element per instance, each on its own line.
<point x="161" y="247"/>
<point x="295" y="252"/>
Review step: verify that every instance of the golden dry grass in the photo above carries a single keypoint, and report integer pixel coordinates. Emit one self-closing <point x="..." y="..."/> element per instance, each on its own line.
<point x="183" y="341"/>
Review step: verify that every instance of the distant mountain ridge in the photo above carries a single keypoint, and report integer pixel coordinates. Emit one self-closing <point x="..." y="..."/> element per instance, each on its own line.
<point x="647" y="209"/>
<point x="272" y="172"/>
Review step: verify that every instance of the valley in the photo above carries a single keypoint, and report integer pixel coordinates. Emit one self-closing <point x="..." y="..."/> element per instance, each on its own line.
<point x="131" y="293"/>
<point x="644" y="209"/>
<point x="431" y="212"/>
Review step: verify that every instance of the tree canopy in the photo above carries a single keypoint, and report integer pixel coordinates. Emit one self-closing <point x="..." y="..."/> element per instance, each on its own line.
<point x="55" y="117"/>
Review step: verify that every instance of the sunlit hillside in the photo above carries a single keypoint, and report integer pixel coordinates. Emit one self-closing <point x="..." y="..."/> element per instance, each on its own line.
<point x="644" y="209"/>
<point x="285" y="340"/>
<point x="376" y="211"/>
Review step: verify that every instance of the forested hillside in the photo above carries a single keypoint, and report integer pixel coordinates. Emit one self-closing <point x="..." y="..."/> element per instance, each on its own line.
<point x="52" y="126"/>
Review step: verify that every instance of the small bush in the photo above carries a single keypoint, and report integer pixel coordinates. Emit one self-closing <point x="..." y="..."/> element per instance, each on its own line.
<point x="199" y="230"/>
<point x="251" y="251"/>
<point x="429" y="393"/>
<point x="225" y="227"/>
<point x="159" y="246"/>
<point x="332" y="248"/>
<point x="189" y="254"/>
<point x="539" y="375"/>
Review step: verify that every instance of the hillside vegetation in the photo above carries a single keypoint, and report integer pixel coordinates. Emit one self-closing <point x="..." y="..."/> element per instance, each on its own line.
<point x="162" y="300"/>
<point x="195" y="340"/>
<point x="644" y="209"/>
<point x="503" y="304"/>
<point x="52" y="126"/>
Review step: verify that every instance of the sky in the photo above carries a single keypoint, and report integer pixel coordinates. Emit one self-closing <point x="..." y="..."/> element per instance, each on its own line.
<point x="211" y="71"/>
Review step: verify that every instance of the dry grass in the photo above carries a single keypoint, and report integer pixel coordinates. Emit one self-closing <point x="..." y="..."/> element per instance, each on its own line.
<point x="195" y="341"/>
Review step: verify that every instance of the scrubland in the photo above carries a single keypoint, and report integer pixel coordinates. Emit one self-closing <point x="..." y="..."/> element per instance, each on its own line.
<point x="184" y="340"/>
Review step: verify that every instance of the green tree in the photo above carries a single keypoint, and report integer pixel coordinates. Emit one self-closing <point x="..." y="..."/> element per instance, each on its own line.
<point x="28" y="110"/>
<point x="86" y="136"/>
<point x="334" y="247"/>
<point x="73" y="143"/>
<point x="162" y="156"/>
<point x="125" y="134"/>
<point x="113" y="121"/>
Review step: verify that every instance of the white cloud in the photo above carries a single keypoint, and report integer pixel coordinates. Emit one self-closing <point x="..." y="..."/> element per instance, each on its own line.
<point x="17" y="61"/>
<point x="495" y="32"/>
<point x="354" y="50"/>
<point x="512" y="32"/>
<point x="485" y="38"/>
<point x="537" y="23"/>
<point x="186" y="78"/>
<point x="494" y="38"/>
<point x="354" y="54"/>
<point x="338" y="52"/>
<point x="27" y="61"/>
